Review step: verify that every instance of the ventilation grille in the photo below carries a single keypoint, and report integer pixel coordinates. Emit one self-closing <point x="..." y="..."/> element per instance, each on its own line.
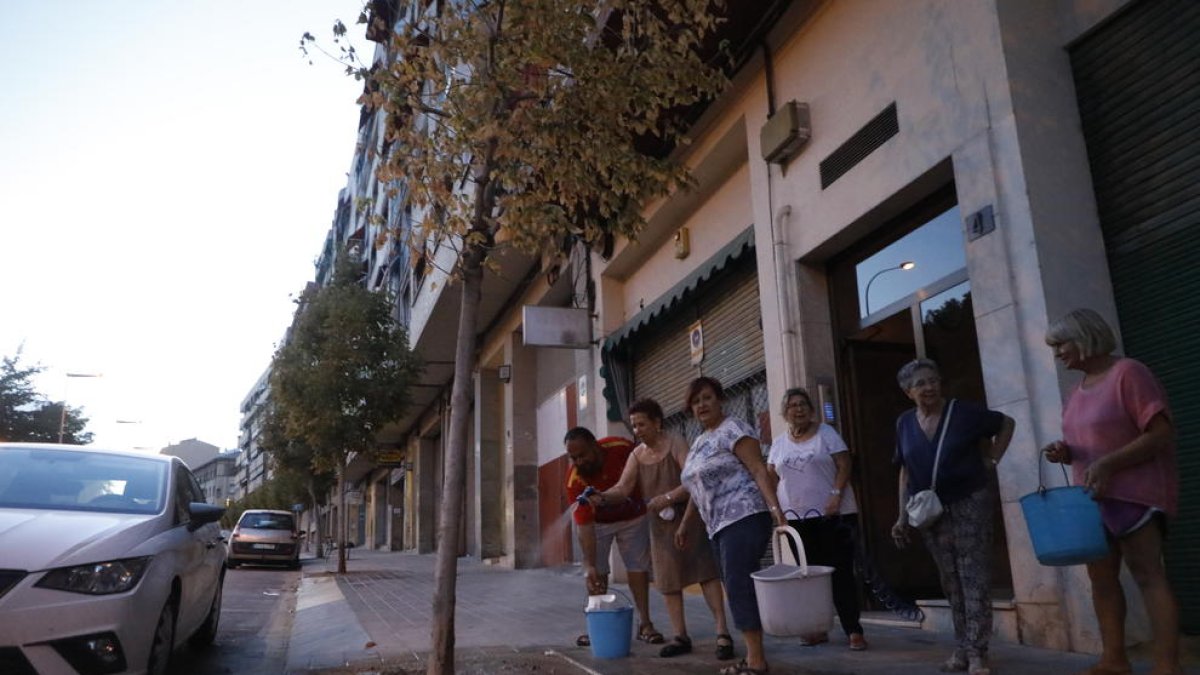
<point x="874" y="134"/>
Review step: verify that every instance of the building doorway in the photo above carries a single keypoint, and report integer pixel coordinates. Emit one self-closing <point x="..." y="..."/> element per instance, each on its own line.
<point x="381" y="514"/>
<point x="905" y="294"/>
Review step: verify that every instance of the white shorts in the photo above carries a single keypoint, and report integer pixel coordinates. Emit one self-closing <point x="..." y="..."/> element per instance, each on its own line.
<point x="633" y="542"/>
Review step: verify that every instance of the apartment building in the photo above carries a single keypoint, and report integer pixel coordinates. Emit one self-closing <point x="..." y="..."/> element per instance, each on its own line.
<point x="1027" y="157"/>
<point x="218" y="478"/>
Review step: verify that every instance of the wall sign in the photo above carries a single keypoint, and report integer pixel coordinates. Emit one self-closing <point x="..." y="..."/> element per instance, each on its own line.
<point x="696" y="342"/>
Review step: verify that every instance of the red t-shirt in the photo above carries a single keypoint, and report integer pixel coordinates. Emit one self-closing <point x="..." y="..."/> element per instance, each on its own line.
<point x="616" y="451"/>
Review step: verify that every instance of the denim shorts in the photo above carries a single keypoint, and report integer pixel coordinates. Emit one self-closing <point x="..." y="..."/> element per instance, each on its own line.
<point x="739" y="548"/>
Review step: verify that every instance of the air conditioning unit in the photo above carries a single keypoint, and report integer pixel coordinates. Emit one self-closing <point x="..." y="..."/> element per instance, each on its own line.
<point x="785" y="133"/>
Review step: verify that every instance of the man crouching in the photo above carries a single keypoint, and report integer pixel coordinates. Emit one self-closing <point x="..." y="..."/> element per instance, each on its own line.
<point x="598" y="465"/>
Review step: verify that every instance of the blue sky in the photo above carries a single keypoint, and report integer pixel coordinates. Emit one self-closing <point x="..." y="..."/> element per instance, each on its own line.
<point x="168" y="171"/>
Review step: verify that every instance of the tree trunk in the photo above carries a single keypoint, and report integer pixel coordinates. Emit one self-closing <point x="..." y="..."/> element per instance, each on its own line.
<point x="441" y="658"/>
<point x="342" y="520"/>
<point x="316" y="509"/>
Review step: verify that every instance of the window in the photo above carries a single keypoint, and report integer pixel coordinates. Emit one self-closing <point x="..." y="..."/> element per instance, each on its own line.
<point x="934" y="249"/>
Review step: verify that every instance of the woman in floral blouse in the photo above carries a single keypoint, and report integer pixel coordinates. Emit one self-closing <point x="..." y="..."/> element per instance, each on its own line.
<point x="731" y="491"/>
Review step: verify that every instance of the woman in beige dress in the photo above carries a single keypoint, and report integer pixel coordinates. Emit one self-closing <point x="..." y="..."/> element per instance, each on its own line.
<point x="655" y="466"/>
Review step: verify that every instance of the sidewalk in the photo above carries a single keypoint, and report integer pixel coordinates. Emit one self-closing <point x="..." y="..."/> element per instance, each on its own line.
<point x="377" y="617"/>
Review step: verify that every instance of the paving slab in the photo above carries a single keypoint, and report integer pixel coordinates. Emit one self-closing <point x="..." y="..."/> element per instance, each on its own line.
<point x="511" y="621"/>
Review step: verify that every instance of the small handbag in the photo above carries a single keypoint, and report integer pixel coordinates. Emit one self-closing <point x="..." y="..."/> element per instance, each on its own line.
<point x="924" y="508"/>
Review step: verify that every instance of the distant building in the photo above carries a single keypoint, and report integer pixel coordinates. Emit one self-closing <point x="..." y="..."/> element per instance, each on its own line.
<point x="193" y="452"/>
<point x="218" y="477"/>
<point x="252" y="466"/>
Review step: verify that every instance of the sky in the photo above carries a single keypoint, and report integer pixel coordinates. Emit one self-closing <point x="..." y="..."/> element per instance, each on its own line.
<point x="168" y="172"/>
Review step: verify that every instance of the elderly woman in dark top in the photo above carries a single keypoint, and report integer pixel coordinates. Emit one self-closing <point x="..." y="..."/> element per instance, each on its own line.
<point x="732" y="492"/>
<point x="972" y="440"/>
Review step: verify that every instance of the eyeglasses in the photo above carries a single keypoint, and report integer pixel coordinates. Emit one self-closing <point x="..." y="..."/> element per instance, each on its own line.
<point x="917" y="384"/>
<point x="798" y="404"/>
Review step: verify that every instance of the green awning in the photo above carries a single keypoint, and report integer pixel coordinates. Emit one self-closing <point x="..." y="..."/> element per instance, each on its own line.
<point x="741" y="244"/>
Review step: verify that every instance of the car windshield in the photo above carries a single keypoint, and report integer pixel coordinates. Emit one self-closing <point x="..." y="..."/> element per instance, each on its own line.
<point x="267" y="521"/>
<point x="72" y="480"/>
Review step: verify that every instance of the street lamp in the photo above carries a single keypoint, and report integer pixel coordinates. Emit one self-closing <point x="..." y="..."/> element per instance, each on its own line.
<point x="62" y="416"/>
<point x="905" y="266"/>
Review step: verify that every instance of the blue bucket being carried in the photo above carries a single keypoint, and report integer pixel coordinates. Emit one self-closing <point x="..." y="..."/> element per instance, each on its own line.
<point x="610" y="626"/>
<point x="1064" y="524"/>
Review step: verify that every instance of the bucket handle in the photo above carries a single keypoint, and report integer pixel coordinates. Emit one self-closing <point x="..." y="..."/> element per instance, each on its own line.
<point x="1042" y="483"/>
<point x="783" y="553"/>
<point x="628" y="601"/>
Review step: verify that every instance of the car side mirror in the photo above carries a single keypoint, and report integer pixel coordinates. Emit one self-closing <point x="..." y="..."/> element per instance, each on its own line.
<point x="202" y="514"/>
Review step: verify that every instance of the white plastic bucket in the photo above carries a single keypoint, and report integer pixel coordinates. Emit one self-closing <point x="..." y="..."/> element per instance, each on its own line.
<point x="794" y="598"/>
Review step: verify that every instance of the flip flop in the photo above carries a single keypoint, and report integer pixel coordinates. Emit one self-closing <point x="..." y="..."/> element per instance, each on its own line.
<point x="647" y="634"/>
<point x="680" y="645"/>
<point x="742" y="669"/>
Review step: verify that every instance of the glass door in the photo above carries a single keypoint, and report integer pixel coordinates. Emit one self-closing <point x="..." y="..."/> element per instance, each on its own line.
<point x="900" y="295"/>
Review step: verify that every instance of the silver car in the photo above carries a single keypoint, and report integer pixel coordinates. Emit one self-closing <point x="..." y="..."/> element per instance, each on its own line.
<point x="265" y="536"/>
<point x="108" y="561"/>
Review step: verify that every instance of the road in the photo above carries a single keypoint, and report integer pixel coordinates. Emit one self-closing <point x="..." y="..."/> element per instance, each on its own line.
<point x="256" y="620"/>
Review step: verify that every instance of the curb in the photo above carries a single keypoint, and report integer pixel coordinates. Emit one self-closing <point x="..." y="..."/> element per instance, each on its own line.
<point x="325" y="629"/>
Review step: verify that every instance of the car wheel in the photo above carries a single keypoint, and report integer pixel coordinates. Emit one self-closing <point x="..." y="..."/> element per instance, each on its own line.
<point x="164" y="641"/>
<point x="207" y="632"/>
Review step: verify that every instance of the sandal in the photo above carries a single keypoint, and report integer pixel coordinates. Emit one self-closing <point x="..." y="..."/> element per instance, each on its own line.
<point x="814" y="639"/>
<point x="724" y="647"/>
<point x="978" y="665"/>
<point x="680" y="645"/>
<point x="583" y="641"/>
<point x="647" y="633"/>
<point x="957" y="663"/>
<point x="1101" y="669"/>
<point x="742" y="669"/>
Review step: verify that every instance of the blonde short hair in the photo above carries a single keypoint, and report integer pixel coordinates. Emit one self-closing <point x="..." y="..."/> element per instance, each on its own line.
<point x="1087" y="329"/>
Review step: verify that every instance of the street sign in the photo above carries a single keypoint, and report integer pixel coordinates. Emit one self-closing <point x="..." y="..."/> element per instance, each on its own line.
<point x="390" y="459"/>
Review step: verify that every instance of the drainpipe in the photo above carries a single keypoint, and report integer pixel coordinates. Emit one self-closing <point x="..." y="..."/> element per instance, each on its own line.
<point x="783" y="296"/>
<point x="779" y="223"/>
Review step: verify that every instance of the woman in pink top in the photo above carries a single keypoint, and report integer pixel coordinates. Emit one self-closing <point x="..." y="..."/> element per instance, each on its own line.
<point x="1119" y="439"/>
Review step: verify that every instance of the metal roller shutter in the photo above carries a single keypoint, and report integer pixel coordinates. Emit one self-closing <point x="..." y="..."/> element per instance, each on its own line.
<point x="733" y="342"/>
<point x="1138" y="83"/>
<point x="728" y="306"/>
<point x="662" y="367"/>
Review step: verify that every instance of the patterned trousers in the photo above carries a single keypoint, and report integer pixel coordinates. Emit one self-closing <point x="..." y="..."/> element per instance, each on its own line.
<point x="961" y="544"/>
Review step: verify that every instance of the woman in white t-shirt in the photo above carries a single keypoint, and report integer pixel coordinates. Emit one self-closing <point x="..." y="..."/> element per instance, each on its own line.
<point x="811" y="464"/>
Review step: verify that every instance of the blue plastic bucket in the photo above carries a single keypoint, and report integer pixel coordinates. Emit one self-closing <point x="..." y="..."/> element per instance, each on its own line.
<point x="1065" y="526"/>
<point x="611" y="631"/>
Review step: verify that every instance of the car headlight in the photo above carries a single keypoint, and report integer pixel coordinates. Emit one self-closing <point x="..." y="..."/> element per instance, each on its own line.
<point x="114" y="576"/>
